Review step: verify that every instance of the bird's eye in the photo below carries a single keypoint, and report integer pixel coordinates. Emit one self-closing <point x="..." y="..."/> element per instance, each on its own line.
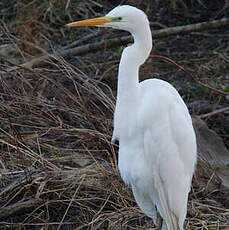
<point x="116" y="19"/>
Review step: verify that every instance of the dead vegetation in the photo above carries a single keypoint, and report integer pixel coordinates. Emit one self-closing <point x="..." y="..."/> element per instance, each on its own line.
<point x="58" y="169"/>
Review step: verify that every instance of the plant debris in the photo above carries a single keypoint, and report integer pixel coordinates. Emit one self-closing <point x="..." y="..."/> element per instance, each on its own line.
<point x="58" y="169"/>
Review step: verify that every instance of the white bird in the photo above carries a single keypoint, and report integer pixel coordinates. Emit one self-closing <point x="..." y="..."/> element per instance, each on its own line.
<point x="157" y="143"/>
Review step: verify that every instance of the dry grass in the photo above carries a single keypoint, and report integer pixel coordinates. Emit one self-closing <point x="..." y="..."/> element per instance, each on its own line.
<point x="58" y="169"/>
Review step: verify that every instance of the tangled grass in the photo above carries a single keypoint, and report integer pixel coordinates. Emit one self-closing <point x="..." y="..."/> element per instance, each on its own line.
<point x="58" y="169"/>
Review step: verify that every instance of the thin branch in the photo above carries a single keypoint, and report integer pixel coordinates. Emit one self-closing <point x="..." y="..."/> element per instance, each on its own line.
<point x="123" y="41"/>
<point x="210" y="35"/>
<point x="19" y="206"/>
<point x="222" y="110"/>
<point x="168" y="60"/>
<point x="73" y="197"/>
<point x="191" y="28"/>
<point x="83" y="39"/>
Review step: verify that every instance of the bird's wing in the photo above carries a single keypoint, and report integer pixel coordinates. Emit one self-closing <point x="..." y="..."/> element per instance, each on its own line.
<point x="169" y="147"/>
<point x="160" y="197"/>
<point x="169" y="140"/>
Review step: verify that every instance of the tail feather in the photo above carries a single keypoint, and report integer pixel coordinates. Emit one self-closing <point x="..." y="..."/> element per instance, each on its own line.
<point x="171" y="219"/>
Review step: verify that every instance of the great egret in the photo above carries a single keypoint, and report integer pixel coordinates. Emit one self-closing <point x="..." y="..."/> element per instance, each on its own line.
<point x="157" y="143"/>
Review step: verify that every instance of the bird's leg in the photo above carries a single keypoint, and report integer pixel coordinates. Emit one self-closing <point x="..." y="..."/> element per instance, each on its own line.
<point x="159" y="221"/>
<point x="114" y="138"/>
<point x="164" y="225"/>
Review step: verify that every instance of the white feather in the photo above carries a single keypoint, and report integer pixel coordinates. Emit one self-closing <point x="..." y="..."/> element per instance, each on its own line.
<point x="157" y="144"/>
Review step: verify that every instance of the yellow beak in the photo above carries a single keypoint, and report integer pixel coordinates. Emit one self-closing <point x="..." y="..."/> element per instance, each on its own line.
<point x="90" y="22"/>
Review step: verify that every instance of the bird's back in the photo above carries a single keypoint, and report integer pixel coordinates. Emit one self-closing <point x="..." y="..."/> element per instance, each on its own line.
<point x="165" y="114"/>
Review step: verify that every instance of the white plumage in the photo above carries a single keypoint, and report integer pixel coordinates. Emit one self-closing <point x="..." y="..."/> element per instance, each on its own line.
<point x="157" y="143"/>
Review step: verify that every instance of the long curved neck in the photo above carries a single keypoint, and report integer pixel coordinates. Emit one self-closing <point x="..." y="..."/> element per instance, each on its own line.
<point x="132" y="58"/>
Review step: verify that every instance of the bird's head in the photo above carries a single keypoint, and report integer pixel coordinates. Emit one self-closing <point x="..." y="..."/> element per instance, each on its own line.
<point x="123" y="17"/>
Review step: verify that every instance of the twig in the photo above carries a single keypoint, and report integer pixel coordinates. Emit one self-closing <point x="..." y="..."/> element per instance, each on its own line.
<point x="210" y="35"/>
<point x="166" y="59"/>
<point x="11" y="209"/>
<point x="73" y="197"/>
<point x="191" y="28"/>
<point x="123" y="41"/>
<point x="36" y="62"/>
<point x="214" y="112"/>
<point x="83" y="39"/>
